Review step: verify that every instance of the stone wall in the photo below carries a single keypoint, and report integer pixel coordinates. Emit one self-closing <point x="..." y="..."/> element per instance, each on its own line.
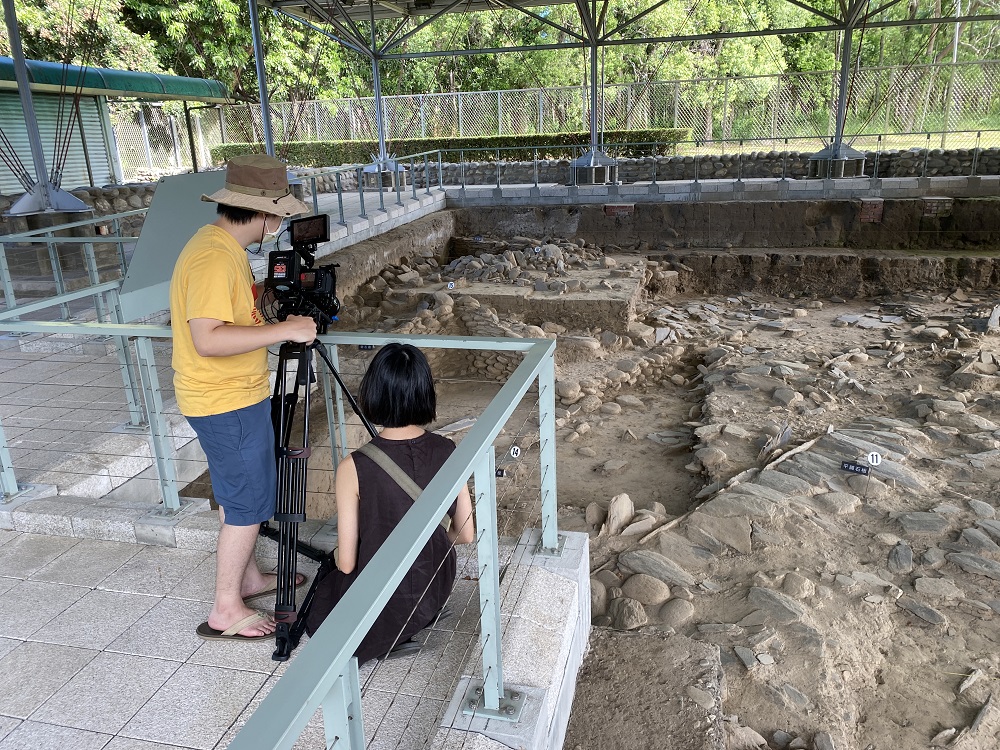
<point x="755" y="164"/>
<point x="29" y="260"/>
<point x="104" y="201"/>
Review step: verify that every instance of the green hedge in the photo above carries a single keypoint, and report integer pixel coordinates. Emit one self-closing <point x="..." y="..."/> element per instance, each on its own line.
<point x="516" y="147"/>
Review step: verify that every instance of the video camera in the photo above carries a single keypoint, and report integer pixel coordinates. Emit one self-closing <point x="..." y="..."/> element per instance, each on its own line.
<point x="293" y="286"/>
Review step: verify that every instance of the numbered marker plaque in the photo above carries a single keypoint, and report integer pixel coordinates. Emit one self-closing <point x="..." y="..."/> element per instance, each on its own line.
<point x="515" y="451"/>
<point x="874" y="458"/>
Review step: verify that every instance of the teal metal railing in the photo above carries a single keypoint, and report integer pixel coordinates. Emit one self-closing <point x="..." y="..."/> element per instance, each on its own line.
<point x="325" y="673"/>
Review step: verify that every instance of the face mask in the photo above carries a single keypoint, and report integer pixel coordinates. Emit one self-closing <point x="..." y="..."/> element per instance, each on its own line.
<point x="272" y="235"/>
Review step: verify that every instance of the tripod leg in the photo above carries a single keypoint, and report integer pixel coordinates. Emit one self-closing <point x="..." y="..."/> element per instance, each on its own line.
<point x="291" y="499"/>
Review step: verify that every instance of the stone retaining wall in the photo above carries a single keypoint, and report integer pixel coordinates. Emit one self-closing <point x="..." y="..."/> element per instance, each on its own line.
<point x="32" y="260"/>
<point x="104" y="201"/>
<point x="791" y="164"/>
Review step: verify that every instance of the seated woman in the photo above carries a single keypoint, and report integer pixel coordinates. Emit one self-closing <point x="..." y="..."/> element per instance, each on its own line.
<point x="397" y="392"/>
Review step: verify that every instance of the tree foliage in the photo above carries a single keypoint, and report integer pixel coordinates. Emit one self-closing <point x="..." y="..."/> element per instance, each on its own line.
<point x="211" y="39"/>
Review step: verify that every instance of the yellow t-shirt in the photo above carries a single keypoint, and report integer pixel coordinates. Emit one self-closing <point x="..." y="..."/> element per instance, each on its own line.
<point x="212" y="279"/>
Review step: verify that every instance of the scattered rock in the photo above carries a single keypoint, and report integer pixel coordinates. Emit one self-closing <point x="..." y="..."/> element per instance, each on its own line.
<point x="620" y="512"/>
<point x="656" y="565"/>
<point x="614" y="467"/>
<point x="646" y="590"/>
<point x="676" y="613"/>
<point x="798" y="586"/>
<point x="901" y="559"/>
<point x="928" y="614"/>
<point x="775" y="605"/>
<point x="627" y="614"/>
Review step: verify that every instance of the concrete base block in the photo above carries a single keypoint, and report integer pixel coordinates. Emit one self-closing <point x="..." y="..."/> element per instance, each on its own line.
<point x="545" y="636"/>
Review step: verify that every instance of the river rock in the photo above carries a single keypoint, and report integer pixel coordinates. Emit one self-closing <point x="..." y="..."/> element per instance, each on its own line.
<point x="595" y="514"/>
<point x="646" y="590"/>
<point x="598" y="598"/>
<point x="676" y="613"/>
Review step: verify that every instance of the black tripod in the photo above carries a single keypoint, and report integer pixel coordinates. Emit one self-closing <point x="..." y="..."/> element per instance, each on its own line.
<point x="290" y="508"/>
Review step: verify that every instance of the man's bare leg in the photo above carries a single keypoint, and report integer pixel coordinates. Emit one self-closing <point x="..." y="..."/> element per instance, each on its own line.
<point x="235" y="556"/>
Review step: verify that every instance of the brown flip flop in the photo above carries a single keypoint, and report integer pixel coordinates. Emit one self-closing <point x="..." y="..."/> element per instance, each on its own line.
<point x="273" y="588"/>
<point x="232" y="633"/>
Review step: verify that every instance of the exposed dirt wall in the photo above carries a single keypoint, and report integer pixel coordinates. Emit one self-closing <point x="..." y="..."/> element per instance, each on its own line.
<point x="359" y="263"/>
<point x="779" y="224"/>
<point x="844" y="274"/>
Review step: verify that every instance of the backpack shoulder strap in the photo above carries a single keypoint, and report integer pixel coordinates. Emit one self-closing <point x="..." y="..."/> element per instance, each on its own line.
<point x="391" y="468"/>
<point x="399" y="476"/>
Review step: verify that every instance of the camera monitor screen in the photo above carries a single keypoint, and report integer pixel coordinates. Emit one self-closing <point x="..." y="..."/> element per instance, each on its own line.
<point x="311" y="230"/>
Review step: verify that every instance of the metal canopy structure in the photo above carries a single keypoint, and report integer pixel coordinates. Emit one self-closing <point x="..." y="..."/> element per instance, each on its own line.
<point x="352" y="23"/>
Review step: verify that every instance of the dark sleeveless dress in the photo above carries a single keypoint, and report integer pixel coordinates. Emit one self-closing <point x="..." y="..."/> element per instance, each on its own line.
<point x="382" y="503"/>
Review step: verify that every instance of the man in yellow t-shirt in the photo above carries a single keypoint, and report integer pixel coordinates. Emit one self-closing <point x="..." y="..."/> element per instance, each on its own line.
<point x="221" y="378"/>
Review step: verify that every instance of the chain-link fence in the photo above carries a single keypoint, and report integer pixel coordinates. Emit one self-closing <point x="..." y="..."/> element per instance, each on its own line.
<point x="885" y="100"/>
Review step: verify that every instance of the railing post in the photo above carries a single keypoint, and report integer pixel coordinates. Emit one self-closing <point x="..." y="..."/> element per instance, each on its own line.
<point x="878" y="156"/>
<point x="116" y="230"/>
<point x="547" y="455"/>
<point x="342" y="715"/>
<point x="489" y="579"/>
<point x="461" y="167"/>
<point x="312" y="181"/>
<point x="337" y="394"/>
<point x="130" y="378"/>
<point x="8" y="483"/>
<point x="340" y="198"/>
<point x="57" y="272"/>
<point x="535" y="164"/>
<point x="975" y="153"/>
<point x="441" y="170"/>
<point x="927" y="153"/>
<point x="95" y="278"/>
<point x="498" y="167"/>
<point x="8" y="284"/>
<point x="162" y="447"/>
<point x="381" y="188"/>
<point x="361" y="192"/>
<point x="427" y="175"/>
<point x="413" y="179"/>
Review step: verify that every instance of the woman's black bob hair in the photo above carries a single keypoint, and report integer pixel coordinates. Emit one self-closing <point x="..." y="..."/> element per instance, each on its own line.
<point x="398" y="388"/>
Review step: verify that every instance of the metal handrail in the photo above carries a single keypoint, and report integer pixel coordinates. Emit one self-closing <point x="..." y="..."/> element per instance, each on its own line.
<point x="325" y="673"/>
<point x="33" y="233"/>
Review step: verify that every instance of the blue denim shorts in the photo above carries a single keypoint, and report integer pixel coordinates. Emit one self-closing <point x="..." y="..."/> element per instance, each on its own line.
<point x="240" y="449"/>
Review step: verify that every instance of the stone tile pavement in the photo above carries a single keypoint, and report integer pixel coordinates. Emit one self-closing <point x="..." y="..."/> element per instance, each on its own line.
<point x="98" y="650"/>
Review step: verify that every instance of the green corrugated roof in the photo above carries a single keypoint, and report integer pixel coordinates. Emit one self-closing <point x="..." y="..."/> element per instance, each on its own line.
<point x="50" y="76"/>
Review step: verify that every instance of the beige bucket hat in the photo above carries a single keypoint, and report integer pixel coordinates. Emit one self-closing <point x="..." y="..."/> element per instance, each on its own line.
<point x="258" y="183"/>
